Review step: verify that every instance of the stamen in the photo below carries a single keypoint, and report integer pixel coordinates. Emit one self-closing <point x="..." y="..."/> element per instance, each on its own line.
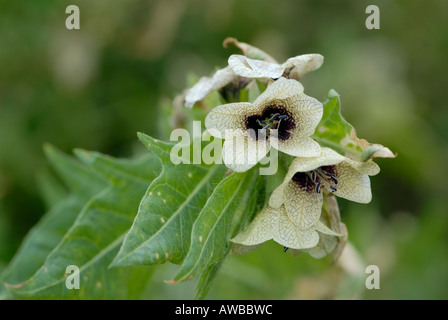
<point x="275" y="124"/>
<point x="264" y="124"/>
<point x="271" y="118"/>
<point x="271" y="123"/>
<point x="334" y="179"/>
<point x="324" y="177"/>
<point x="264" y="128"/>
<point x="318" y="185"/>
<point x="274" y="117"/>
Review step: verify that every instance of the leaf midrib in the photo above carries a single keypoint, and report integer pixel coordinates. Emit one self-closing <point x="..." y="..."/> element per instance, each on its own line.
<point x="214" y="226"/>
<point x="101" y="254"/>
<point x="196" y="190"/>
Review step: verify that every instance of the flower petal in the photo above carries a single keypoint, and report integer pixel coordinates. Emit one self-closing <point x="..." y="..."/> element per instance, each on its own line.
<point x="229" y="116"/>
<point x="321" y="227"/>
<point x="280" y="91"/>
<point x="368" y="167"/>
<point x="325" y="245"/>
<point x="297" y="146"/>
<point x="328" y="239"/>
<point x="327" y="157"/>
<point x="241" y="152"/>
<point x="289" y="235"/>
<point x="301" y="65"/>
<point x="250" y="68"/>
<point x="303" y="207"/>
<point x="261" y="228"/>
<point x="307" y="113"/>
<point x="207" y="85"/>
<point x="353" y="185"/>
<point x="278" y="196"/>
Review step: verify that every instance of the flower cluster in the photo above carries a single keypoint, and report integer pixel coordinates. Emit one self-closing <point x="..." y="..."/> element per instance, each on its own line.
<point x="293" y="214"/>
<point x="285" y="118"/>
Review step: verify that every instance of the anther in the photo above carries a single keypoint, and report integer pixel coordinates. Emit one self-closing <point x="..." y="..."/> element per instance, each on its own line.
<point x="264" y="124"/>
<point x="318" y="185"/>
<point x="282" y="117"/>
<point x="334" y="179"/>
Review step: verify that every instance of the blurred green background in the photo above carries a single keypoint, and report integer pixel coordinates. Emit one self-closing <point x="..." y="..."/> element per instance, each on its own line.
<point x="96" y="87"/>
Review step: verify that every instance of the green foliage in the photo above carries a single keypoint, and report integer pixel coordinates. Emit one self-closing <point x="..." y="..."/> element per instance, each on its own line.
<point x="334" y="131"/>
<point x="162" y="228"/>
<point x="233" y="197"/>
<point x="84" y="183"/>
<point x="99" y="216"/>
<point x="85" y="230"/>
<point x="122" y="216"/>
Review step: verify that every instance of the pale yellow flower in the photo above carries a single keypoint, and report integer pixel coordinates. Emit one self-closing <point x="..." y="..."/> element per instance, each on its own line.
<point x="207" y="85"/>
<point x="307" y="178"/>
<point x="293" y="68"/>
<point x="241" y="70"/>
<point x="283" y="109"/>
<point x="252" y="68"/>
<point x="275" y="224"/>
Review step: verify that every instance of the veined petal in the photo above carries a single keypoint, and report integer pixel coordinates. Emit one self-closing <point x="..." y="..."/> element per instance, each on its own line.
<point x="289" y="235"/>
<point x="278" y="196"/>
<point x="297" y="146"/>
<point x="261" y="228"/>
<point x="325" y="245"/>
<point x="368" y="167"/>
<point x="353" y="185"/>
<point x="327" y="157"/>
<point x="328" y="240"/>
<point x="281" y="91"/>
<point x="307" y="113"/>
<point x="321" y="227"/>
<point x="229" y="116"/>
<point x="241" y="152"/>
<point x="207" y="85"/>
<point x="250" y="68"/>
<point x="301" y="65"/>
<point x="275" y="224"/>
<point x="304" y="113"/>
<point x="303" y="207"/>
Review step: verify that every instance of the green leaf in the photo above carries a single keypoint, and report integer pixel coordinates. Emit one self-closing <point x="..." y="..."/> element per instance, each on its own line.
<point x="161" y="230"/>
<point x="334" y="131"/>
<point x="95" y="237"/>
<point x="50" y="188"/>
<point x="206" y="280"/>
<point x="4" y="293"/>
<point x="210" y="238"/>
<point x="250" y="203"/>
<point x="80" y="179"/>
<point x="39" y="242"/>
